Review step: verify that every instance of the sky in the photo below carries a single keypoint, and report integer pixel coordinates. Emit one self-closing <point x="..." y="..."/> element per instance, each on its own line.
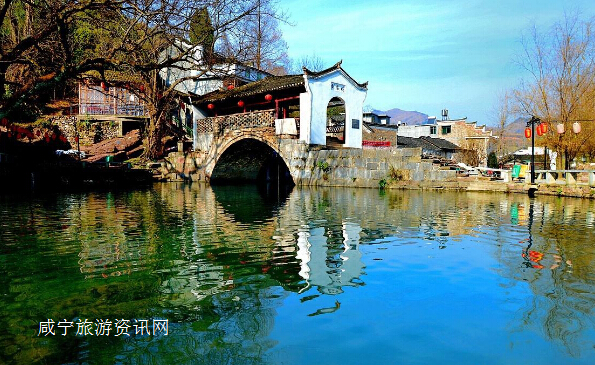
<point x="425" y="55"/>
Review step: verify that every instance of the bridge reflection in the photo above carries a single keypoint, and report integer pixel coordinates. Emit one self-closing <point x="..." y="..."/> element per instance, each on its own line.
<point x="221" y="263"/>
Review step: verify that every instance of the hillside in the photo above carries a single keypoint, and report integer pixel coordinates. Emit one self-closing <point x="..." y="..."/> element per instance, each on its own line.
<point x="409" y="117"/>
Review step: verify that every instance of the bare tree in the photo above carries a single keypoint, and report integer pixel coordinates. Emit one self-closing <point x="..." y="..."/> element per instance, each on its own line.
<point x="561" y="85"/>
<point x="312" y="62"/>
<point x="256" y="39"/>
<point x="133" y="38"/>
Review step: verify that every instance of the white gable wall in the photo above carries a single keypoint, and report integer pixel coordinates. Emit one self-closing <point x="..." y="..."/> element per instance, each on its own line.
<point x="320" y="91"/>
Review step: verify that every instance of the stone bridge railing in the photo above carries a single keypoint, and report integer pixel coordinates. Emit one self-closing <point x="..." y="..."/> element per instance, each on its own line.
<point x="218" y="125"/>
<point x="565" y="177"/>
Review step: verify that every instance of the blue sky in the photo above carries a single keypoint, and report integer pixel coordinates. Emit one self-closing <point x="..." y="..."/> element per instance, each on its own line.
<point x="424" y="55"/>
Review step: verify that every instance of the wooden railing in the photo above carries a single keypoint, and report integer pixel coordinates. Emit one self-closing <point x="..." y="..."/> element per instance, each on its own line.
<point x="218" y="125"/>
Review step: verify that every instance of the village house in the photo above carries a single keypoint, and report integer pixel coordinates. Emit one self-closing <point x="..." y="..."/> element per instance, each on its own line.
<point x="472" y="139"/>
<point x="299" y="106"/>
<point x="114" y="96"/>
<point x="373" y="118"/>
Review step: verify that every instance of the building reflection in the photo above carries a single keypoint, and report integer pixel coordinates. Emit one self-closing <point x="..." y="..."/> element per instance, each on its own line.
<point x="327" y="268"/>
<point x="219" y="269"/>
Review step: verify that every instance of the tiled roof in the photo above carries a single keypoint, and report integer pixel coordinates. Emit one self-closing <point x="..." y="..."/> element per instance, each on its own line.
<point x="271" y="83"/>
<point x="115" y="77"/>
<point x="336" y="66"/>
<point x="428" y="143"/>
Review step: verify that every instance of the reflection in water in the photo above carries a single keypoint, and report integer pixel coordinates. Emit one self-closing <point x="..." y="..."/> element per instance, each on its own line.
<point x="246" y="277"/>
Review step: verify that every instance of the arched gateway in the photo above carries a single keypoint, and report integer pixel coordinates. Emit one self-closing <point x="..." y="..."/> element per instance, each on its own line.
<point x="242" y="128"/>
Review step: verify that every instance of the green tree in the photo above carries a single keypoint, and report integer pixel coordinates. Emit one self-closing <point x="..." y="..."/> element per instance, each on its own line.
<point x="202" y="31"/>
<point x="492" y="160"/>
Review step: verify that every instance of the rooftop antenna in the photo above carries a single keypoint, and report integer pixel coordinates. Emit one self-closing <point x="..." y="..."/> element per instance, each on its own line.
<point x="444" y="114"/>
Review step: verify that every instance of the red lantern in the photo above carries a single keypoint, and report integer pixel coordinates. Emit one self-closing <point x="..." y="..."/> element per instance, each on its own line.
<point x="103" y="86"/>
<point x="9" y="135"/>
<point x="142" y="88"/>
<point x="527" y="132"/>
<point x="4" y="121"/>
<point x="544" y="128"/>
<point x="38" y="133"/>
<point x="268" y="97"/>
<point x="211" y="106"/>
<point x="230" y="87"/>
<point x="241" y="103"/>
<point x="539" y="130"/>
<point x="76" y="139"/>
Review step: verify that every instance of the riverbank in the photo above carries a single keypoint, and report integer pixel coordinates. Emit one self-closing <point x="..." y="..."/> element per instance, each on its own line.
<point x="487" y="186"/>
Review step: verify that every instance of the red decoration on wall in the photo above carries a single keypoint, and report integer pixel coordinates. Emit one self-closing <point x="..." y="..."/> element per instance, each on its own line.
<point x="268" y="97"/>
<point x="527" y="132"/>
<point x="241" y="103"/>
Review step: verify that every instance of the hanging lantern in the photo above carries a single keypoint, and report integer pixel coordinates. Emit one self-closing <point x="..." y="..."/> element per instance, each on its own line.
<point x="527" y="132"/>
<point x="9" y="134"/>
<point x="544" y="128"/>
<point x="538" y="130"/>
<point x="132" y="98"/>
<point x="576" y="127"/>
<point x="103" y="86"/>
<point x="4" y="121"/>
<point x="76" y="139"/>
<point x="38" y="133"/>
<point x="560" y="128"/>
<point x="268" y="97"/>
<point x="230" y="87"/>
<point x="241" y="103"/>
<point x="211" y="106"/>
<point x="142" y="88"/>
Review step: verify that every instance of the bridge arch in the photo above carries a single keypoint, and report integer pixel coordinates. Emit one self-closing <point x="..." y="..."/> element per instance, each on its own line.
<point x="248" y="157"/>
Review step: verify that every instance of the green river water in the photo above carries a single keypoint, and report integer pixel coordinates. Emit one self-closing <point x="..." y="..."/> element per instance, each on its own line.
<point x="316" y="276"/>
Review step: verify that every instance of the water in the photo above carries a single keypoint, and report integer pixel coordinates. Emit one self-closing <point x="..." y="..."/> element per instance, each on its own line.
<point x="325" y="276"/>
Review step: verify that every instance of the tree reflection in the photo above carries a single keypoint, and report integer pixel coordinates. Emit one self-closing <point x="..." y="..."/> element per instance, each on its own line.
<point x="219" y="263"/>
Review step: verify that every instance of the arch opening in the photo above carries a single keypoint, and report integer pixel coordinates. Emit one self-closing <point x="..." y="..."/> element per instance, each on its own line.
<point x="335" y="122"/>
<point x="251" y="161"/>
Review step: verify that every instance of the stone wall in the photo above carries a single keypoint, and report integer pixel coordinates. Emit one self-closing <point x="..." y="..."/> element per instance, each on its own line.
<point x="315" y="166"/>
<point x="89" y="132"/>
<point x="358" y="167"/>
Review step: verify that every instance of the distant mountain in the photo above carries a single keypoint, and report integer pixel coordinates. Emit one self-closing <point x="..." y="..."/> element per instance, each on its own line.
<point x="409" y="117"/>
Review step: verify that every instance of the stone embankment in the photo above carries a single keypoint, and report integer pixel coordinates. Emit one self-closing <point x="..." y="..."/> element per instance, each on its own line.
<point x="371" y="168"/>
<point x="314" y="166"/>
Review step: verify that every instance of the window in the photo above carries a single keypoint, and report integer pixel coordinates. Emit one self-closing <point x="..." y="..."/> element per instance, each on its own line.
<point x="433" y="129"/>
<point x="445" y="129"/>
